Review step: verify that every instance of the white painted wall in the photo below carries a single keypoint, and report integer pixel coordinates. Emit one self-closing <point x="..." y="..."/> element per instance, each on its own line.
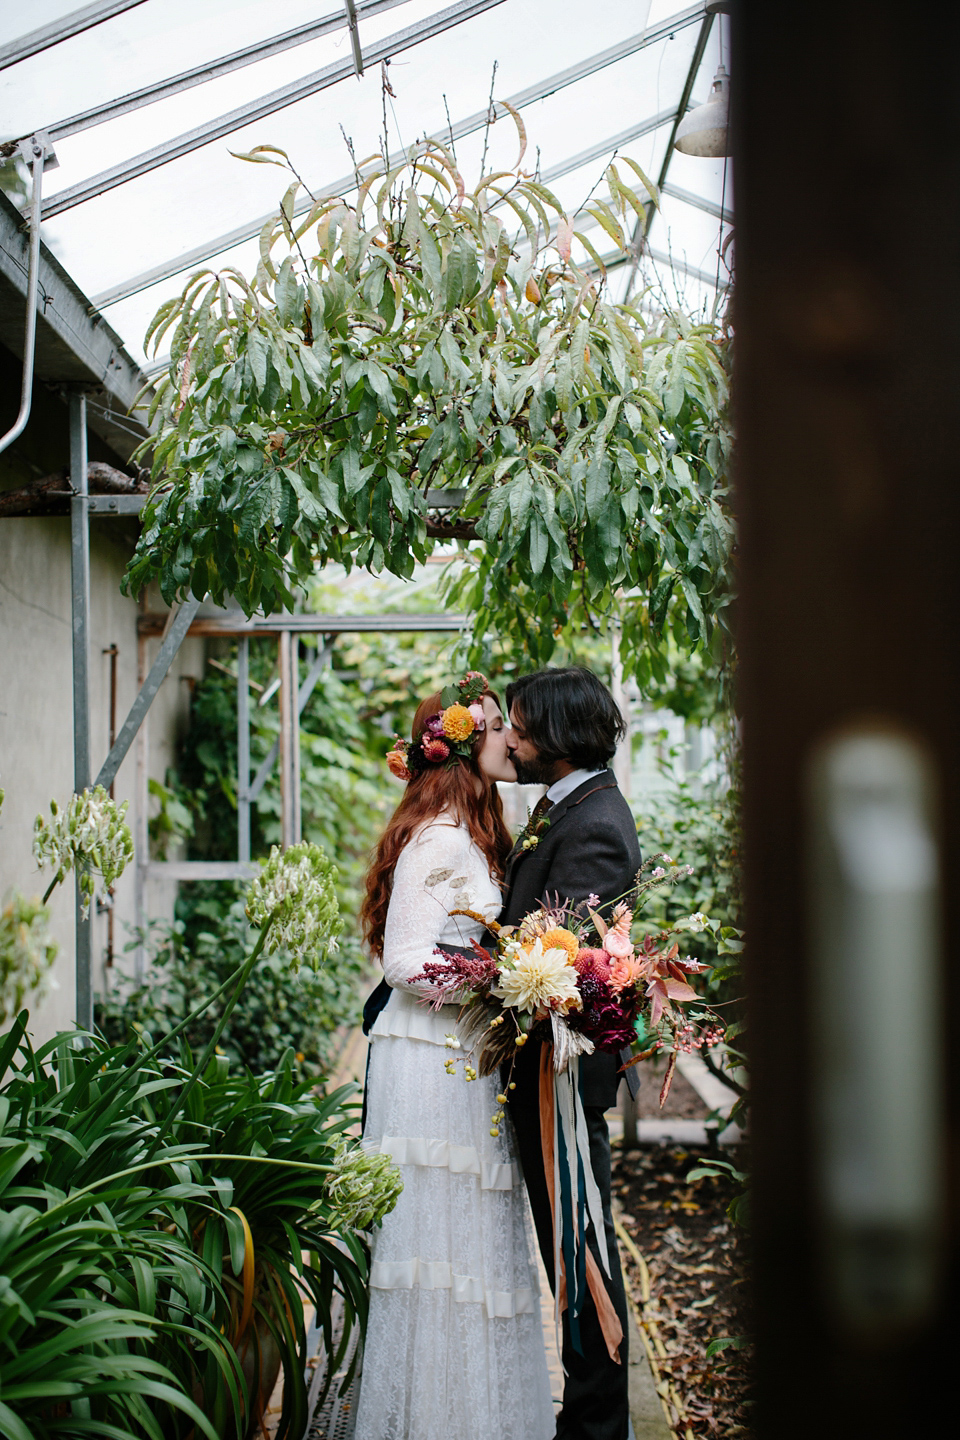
<point x="36" y="719"/>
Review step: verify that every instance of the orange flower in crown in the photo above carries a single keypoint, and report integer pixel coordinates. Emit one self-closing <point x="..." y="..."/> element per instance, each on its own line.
<point x="451" y="733"/>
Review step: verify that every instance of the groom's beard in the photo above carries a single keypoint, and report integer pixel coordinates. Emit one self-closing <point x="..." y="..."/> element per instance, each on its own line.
<point x="534" y="772"/>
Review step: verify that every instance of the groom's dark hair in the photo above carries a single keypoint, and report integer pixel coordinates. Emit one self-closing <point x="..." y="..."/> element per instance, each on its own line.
<point x="569" y="715"/>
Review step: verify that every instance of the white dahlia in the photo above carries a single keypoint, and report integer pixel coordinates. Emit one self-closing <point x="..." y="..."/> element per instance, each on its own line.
<point x="535" y="977"/>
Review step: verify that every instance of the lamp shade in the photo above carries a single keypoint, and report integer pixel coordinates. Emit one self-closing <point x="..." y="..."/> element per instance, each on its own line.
<point x="704" y="130"/>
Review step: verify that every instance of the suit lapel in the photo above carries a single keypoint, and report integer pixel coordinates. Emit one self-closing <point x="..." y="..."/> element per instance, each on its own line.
<point x="558" y="811"/>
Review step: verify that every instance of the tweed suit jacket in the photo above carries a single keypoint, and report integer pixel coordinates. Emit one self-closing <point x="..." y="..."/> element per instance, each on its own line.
<point x="590" y="847"/>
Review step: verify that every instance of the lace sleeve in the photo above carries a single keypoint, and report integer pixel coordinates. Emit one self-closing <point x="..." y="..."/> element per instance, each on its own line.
<point x="428" y="882"/>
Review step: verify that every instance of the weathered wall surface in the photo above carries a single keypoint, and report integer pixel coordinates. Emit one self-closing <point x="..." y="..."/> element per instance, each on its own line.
<point x="36" y="719"/>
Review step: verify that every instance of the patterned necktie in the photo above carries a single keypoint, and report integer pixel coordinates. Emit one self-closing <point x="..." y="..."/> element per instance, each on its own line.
<point x="542" y="806"/>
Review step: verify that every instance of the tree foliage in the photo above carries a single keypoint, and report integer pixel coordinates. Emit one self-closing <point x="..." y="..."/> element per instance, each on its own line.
<point x="425" y="338"/>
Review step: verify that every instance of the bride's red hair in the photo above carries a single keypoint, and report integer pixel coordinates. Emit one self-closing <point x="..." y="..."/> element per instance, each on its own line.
<point x="437" y="788"/>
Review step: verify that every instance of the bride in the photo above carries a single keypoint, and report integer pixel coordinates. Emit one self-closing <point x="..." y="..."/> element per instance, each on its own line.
<point x="454" y="1345"/>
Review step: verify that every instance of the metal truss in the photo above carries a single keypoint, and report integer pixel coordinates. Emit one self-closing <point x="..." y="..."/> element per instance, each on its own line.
<point x="467" y="126"/>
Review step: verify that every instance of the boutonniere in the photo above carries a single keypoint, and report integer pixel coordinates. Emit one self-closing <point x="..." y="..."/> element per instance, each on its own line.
<point x="529" y="837"/>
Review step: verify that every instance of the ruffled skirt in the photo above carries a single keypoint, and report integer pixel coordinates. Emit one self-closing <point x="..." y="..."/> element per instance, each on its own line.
<point x="454" y="1341"/>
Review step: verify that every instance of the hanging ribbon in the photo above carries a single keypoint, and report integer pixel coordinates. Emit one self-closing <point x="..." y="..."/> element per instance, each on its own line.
<point x="574" y="1194"/>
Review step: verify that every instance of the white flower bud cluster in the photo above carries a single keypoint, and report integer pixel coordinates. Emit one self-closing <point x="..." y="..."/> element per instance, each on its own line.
<point x="90" y="835"/>
<point x="27" y="952"/>
<point x="362" y="1189"/>
<point x="296" y="889"/>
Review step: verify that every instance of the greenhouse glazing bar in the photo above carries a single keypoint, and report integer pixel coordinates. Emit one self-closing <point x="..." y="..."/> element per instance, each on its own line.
<point x="642" y="228"/>
<point x="63" y="29"/>
<point x="200" y="74"/>
<point x="468" y="126"/>
<point x="699" y="202"/>
<point x="269" y="104"/>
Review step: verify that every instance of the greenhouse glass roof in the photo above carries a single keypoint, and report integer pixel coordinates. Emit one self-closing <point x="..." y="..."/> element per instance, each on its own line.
<point x="144" y="102"/>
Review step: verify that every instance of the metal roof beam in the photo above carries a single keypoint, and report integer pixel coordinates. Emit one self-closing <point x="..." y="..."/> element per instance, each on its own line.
<point x="642" y="228"/>
<point x="67" y="26"/>
<point x="287" y="95"/>
<point x="699" y="202"/>
<point x="607" y="147"/>
<point x="616" y="258"/>
<point x="200" y="74"/>
<point x="467" y="126"/>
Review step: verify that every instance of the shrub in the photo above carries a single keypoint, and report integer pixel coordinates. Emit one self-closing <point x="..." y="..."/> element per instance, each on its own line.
<point x="277" y="1010"/>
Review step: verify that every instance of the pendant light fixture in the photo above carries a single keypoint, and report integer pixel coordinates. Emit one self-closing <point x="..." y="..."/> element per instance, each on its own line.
<point x="704" y="130"/>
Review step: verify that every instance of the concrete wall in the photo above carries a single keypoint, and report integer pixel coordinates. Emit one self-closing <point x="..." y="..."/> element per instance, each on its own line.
<point x="36" y="718"/>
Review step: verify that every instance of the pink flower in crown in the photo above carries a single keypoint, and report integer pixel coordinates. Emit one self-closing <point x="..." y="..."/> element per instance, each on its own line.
<point x="434" y="726"/>
<point x="434" y="749"/>
<point x="476" y="710"/>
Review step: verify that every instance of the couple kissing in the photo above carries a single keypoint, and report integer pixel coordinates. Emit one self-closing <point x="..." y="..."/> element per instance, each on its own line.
<point x="454" y="1341"/>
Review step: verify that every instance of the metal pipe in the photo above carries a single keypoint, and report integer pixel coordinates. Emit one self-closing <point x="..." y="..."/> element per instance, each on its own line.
<point x="33" y="280"/>
<point x="468" y="126"/>
<point x="65" y="28"/>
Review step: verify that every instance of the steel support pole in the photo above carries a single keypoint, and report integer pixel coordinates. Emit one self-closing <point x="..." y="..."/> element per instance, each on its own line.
<point x="243" y="749"/>
<point x="141" y="832"/>
<point x="288" y="723"/>
<point x="80" y="605"/>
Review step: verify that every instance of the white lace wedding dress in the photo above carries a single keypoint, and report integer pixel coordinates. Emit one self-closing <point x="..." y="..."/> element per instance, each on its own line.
<point x="454" y="1343"/>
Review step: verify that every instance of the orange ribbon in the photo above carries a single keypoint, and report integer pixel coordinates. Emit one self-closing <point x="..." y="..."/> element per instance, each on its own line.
<point x="607" y="1315"/>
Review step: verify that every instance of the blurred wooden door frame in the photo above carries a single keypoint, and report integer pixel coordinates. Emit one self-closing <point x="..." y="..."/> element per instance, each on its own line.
<point x="847" y="319"/>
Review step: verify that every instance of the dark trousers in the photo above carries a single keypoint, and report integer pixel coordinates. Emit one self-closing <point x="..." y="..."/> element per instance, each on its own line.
<point x="595" y="1404"/>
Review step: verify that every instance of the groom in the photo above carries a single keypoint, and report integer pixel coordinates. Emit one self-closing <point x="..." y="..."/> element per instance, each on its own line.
<point x="566" y="728"/>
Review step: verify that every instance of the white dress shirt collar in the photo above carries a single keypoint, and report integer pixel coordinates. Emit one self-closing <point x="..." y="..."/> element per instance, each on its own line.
<point x="566" y="785"/>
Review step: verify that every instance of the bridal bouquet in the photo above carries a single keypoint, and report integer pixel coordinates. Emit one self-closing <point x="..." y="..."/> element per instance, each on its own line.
<point x="583" y="983"/>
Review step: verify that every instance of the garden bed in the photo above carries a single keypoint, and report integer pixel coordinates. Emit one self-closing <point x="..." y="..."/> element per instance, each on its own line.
<point x="695" y="1289"/>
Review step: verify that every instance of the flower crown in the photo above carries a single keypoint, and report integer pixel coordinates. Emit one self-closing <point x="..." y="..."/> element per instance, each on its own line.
<point x="445" y="736"/>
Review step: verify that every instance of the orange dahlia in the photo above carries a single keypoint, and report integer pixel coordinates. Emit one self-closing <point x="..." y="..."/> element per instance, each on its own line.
<point x="560" y="939"/>
<point x="458" y="723"/>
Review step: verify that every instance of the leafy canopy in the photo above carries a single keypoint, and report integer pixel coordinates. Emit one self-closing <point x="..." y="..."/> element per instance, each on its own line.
<point x="425" y="338"/>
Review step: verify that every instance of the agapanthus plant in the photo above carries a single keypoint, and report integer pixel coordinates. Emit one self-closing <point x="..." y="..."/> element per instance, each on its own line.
<point x="27" y="952"/>
<point x="362" y="1188"/>
<point x="90" y="835"/>
<point x="294" y="894"/>
<point x="293" y="900"/>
